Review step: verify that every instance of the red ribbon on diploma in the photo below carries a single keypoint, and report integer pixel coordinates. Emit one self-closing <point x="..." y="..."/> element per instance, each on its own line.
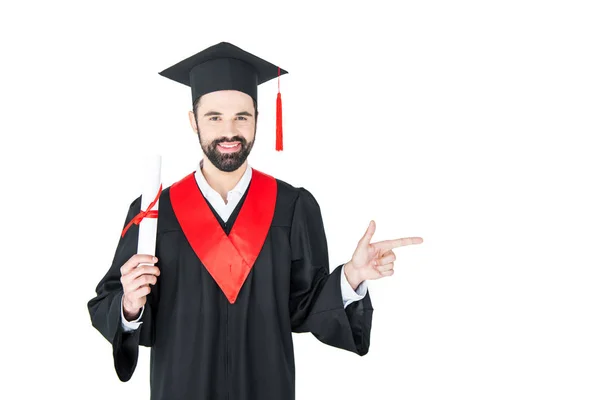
<point x="149" y="213"/>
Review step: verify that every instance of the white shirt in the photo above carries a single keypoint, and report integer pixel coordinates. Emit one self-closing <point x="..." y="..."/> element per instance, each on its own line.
<point x="224" y="210"/>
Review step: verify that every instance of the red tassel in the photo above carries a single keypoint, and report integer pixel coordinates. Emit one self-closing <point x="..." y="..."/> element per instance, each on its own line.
<point x="279" y="127"/>
<point x="278" y="123"/>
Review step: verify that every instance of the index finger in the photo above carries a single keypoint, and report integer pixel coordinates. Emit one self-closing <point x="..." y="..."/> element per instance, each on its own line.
<point x="135" y="260"/>
<point x="392" y="244"/>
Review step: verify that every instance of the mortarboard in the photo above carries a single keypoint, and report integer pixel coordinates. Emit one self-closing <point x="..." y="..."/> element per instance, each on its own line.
<point x="227" y="67"/>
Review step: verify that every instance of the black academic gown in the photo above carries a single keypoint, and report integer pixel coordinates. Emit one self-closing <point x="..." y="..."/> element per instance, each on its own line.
<point x="205" y="348"/>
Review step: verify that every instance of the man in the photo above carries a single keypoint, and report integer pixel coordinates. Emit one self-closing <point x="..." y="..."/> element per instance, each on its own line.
<point x="241" y="260"/>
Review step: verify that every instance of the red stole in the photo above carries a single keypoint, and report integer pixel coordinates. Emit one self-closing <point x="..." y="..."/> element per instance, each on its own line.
<point x="228" y="259"/>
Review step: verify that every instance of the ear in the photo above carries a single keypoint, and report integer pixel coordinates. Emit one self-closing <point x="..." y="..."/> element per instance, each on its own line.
<point x="193" y="121"/>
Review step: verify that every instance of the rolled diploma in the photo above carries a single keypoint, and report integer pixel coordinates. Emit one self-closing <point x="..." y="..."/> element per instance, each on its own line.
<point x="148" y="226"/>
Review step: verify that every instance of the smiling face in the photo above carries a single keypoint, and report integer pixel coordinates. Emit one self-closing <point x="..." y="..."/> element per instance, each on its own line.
<point x="225" y="121"/>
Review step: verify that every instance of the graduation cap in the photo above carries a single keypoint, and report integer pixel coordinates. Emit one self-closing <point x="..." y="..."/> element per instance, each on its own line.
<point x="227" y="67"/>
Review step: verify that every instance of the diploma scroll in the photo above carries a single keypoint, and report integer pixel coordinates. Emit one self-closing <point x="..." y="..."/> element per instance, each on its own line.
<point x="150" y="188"/>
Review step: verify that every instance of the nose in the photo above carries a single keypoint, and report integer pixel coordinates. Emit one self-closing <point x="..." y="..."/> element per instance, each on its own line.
<point x="229" y="129"/>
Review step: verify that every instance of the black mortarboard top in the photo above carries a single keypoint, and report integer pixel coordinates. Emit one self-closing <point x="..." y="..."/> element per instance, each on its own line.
<point x="227" y="67"/>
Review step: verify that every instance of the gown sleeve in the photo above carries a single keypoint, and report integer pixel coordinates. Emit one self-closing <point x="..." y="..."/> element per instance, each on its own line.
<point x="105" y="308"/>
<point x="316" y="303"/>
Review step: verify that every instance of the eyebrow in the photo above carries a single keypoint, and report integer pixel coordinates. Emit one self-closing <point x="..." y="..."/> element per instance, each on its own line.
<point x="244" y="113"/>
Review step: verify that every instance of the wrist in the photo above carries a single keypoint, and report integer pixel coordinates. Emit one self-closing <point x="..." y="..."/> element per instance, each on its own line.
<point x="129" y="314"/>
<point x="352" y="275"/>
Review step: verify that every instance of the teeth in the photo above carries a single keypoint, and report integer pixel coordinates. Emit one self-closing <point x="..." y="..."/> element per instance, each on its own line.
<point x="228" y="146"/>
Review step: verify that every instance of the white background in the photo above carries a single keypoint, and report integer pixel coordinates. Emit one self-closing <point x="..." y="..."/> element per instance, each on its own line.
<point x="471" y="124"/>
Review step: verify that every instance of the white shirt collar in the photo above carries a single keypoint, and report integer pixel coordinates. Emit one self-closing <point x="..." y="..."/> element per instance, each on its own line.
<point x="209" y="192"/>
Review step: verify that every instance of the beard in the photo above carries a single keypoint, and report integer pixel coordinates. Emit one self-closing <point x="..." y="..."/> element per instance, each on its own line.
<point x="227" y="162"/>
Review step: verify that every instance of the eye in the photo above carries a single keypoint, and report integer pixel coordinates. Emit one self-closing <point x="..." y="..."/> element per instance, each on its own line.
<point x="242" y="118"/>
<point x="212" y="118"/>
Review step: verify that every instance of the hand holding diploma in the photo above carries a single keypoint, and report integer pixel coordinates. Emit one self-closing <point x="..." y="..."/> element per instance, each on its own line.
<point x="136" y="280"/>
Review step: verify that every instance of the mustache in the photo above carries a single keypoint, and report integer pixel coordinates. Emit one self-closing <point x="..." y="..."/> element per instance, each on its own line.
<point x="230" y="140"/>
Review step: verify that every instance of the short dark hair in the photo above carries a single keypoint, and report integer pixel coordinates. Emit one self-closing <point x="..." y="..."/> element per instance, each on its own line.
<point x="195" y="106"/>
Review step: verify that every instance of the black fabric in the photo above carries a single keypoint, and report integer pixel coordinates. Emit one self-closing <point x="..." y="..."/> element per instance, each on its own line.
<point x="223" y="66"/>
<point x="203" y="347"/>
